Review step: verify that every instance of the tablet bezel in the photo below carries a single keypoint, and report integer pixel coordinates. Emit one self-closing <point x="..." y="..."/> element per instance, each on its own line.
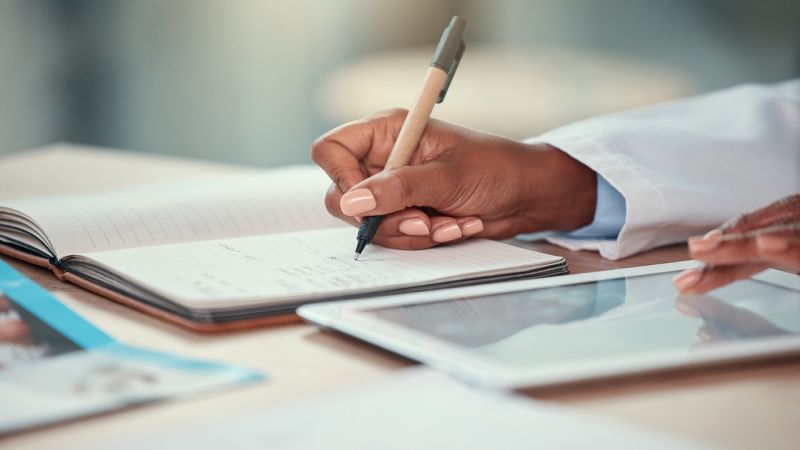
<point x="348" y="317"/>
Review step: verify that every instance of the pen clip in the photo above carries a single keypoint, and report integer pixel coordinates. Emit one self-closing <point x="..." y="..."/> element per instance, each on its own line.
<point x="451" y="72"/>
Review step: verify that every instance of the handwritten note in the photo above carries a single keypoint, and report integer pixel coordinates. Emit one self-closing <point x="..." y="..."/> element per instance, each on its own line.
<point x="292" y="266"/>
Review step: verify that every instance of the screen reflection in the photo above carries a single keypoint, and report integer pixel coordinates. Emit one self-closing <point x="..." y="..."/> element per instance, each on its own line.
<point x="478" y="321"/>
<point x="605" y="318"/>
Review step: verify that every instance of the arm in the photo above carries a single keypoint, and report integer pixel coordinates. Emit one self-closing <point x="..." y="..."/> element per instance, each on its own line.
<point x="686" y="166"/>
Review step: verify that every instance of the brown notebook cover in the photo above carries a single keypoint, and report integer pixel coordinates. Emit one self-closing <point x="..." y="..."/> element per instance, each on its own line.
<point x="142" y="307"/>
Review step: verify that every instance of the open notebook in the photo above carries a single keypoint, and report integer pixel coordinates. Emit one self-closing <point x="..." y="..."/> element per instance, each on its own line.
<point x="232" y="251"/>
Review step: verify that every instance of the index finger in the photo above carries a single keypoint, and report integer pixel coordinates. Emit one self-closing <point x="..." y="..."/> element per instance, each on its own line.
<point x="352" y="152"/>
<point x="779" y="212"/>
<point x="741" y="248"/>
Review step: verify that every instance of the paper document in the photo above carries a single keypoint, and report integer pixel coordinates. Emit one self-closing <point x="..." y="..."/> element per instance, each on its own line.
<point x="56" y="366"/>
<point x="416" y="409"/>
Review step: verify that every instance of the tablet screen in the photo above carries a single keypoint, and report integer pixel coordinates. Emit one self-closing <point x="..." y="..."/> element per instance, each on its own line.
<point x="603" y="318"/>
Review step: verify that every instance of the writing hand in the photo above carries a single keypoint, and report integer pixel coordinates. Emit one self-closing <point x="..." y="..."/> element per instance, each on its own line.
<point x="460" y="183"/>
<point x="768" y="237"/>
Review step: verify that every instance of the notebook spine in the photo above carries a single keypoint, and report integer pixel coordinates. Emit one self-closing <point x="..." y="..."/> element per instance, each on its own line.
<point x="55" y="262"/>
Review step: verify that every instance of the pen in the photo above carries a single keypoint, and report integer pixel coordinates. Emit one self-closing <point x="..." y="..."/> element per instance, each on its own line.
<point x="434" y="87"/>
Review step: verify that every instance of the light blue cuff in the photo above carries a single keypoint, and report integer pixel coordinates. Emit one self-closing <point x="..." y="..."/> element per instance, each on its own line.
<point x="609" y="214"/>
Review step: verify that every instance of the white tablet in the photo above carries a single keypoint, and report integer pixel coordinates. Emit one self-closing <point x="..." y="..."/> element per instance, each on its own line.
<point x="576" y="327"/>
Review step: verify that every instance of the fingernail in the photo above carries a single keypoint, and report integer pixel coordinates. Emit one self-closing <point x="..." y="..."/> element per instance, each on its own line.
<point x="447" y="233"/>
<point x="686" y="309"/>
<point x="414" y="227"/>
<point x="709" y="241"/>
<point x="472" y="226"/>
<point x="687" y="279"/>
<point x="771" y="244"/>
<point x="704" y="335"/>
<point x="357" y="202"/>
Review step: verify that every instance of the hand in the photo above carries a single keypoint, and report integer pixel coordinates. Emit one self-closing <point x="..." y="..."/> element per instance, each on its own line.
<point x="768" y="237"/>
<point x="470" y="184"/>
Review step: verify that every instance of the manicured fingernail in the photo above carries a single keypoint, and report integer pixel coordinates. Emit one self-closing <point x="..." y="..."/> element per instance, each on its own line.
<point x="771" y="244"/>
<point x="414" y="227"/>
<point x="472" y="226"/>
<point x="686" y="279"/>
<point x="704" y="335"/>
<point x="709" y="241"/>
<point x="357" y="202"/>
<point x="447" y="233"/>
<point x="686" y="309"/>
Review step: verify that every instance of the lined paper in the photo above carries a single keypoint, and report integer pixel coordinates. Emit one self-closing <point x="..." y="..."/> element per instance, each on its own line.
<point x="273" y="201"/>
<point x="279" y="267"/>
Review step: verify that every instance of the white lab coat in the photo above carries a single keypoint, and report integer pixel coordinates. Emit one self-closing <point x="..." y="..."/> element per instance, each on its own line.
<point x="687" y="166"/>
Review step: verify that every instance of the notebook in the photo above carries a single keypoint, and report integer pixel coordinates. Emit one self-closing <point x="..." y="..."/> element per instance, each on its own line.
<point x="233" y="251"/>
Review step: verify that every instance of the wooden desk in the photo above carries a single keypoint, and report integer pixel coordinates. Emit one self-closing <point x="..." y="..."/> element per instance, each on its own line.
<point x="750" y="406"/>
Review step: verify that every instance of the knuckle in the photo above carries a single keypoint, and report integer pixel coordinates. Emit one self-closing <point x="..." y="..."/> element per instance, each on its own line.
<point x="392" y="112"/>
<point x="332" y="201"/>
<point x="319" y="150"/>
<point x="789" y="205"/>
<point x="337" y="176"/>
<point x="737" y="223"/>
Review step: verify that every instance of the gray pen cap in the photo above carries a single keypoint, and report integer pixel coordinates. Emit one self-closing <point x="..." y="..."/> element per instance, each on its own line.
<point x="449" y="51"/>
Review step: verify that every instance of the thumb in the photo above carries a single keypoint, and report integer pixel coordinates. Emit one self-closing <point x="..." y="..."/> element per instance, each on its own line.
<point x="397" y="189"/>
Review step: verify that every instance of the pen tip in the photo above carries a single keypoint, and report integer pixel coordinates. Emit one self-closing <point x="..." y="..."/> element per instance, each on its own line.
<point x="355" y="257"/>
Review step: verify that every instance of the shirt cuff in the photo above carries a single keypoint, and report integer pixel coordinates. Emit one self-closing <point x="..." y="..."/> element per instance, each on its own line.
<point x="609" y="214"/>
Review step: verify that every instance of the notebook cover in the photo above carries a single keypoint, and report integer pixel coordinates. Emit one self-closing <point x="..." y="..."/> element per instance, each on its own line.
<point x="147" y="309"/>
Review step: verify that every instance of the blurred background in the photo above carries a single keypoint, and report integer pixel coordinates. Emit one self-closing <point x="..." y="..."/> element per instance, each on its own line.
<point x="255" y="82"/>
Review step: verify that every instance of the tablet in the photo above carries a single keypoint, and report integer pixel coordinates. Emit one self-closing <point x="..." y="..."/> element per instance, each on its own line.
<point x="577" y="327"/>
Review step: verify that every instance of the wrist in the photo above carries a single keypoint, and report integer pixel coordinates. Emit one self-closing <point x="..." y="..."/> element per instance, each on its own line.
<point x="559" y="192"/>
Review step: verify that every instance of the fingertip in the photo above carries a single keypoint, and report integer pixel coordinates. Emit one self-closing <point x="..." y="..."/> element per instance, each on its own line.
<point x="707" y="242"/>
<point x="446" y="232"/>
<point x="357" y="202"/>
<point x="470" y="226"/>
<point x="414" y="227"/>
<point x="687" y="279"/>
<point x="684" y="306"/>
<point x="704" y="334"/>
<point x="407" y="222"/>
<point x="769" y="244"/>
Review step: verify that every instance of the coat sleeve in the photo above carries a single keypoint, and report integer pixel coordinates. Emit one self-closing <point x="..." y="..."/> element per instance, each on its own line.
<point x="687" y="166"/>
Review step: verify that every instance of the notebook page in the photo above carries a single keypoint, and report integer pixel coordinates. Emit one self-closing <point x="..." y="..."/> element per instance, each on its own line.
<point x="272" y="201"/>
<point x="317" y="263"/>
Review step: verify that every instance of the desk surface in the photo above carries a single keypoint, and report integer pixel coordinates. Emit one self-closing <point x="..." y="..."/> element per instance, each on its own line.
<point x="752" y="405"/>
